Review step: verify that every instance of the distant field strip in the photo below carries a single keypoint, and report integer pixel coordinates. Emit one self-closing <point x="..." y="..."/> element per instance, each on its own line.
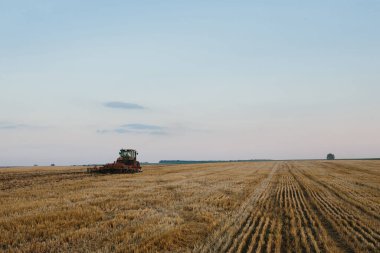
<point x="300" y="206"/>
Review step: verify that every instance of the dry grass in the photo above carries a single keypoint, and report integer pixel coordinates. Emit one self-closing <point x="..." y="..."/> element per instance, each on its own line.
<point x="310" y="206"/>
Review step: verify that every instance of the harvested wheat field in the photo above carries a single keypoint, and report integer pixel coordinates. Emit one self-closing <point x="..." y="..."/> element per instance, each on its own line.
<point x="301" y="206"/>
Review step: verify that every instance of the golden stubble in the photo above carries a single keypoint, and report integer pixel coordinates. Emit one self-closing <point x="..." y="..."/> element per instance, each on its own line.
<point x="303" y="206"/>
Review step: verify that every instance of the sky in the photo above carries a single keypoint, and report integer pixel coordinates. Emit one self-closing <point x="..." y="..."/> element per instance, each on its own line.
<point x="190" y="80"/>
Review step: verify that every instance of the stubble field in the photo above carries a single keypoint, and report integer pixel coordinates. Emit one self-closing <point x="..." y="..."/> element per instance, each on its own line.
<point x="300" y="206"/>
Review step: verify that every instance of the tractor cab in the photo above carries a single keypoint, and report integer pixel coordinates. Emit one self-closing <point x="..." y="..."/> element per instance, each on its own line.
<point x="128" y="154"/>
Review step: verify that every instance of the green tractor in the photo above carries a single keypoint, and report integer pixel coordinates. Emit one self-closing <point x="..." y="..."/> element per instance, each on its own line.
<point x="126" y="163"/>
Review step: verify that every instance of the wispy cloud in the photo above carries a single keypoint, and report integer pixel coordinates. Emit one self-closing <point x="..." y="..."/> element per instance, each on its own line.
<point x="5" y="125"/>
<point x="123" y="105"/>
<point x="137" y="128"/>
<point x="19" y="126"/>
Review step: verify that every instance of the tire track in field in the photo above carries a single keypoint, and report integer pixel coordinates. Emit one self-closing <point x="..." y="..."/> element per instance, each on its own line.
<point x="343" y="197"/>
<point x="296" y="222"/>
<point x="256" y="235"/>
<point x="357" y="202"/>
<point x="362" y="234"/>
<point x="227" y="237"/>
<point x="349" y="215"/>
<point x="330" y="228"/>
<point x="314" y="235"/>
<point x="352" y="168"/>
<point x="370" y="200"/>
<point x="343" y="223"/>
<point x="269" y="238"/>
<point x="338" y="220"/>
<point x="227" y="172"/>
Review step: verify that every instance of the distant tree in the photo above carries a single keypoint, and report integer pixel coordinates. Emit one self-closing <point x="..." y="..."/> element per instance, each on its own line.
<point x="52" y="164"/>
<point x="330" y="156"/>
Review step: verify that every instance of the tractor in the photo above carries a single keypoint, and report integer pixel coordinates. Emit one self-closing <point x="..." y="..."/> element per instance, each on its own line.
<point x="126" y="163"/>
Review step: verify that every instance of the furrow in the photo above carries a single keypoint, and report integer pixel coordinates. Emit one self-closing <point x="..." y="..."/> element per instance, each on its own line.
<point x="245" y="233"/>
<point x="352" y="223"/>
<point x="313" y="228"/>
<point x="295" y="219"/>
<point x="223" y="238"/>
<point x="341" y="222"/>
<point x="269" y="238"/>
<point x="345" y="223"/>
<point x="264" y="234"/>
<point x="329" y="236"/>
<point x="249" y="246"/>
<point x="342" y="196"/>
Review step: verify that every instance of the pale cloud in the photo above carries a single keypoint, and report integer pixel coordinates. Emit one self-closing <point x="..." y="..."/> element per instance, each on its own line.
<point x="123" y="105"/>
<point x="18" y="126"/>
<point x="137" y="128"/>
<point x="4" y="125"/>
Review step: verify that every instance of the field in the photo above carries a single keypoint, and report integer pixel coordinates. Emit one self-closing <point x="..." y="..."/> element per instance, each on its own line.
<point x="300" y="206"/>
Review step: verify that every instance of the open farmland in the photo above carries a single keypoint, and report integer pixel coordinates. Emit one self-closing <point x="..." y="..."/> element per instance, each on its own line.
<point x="301" y="206"/>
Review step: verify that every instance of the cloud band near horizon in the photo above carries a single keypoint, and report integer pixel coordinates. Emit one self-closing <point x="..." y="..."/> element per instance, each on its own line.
<point x="124" y="105"/>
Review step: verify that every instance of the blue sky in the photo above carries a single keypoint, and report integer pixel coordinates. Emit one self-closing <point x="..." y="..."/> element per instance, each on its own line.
<point x="188" y="80"/>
